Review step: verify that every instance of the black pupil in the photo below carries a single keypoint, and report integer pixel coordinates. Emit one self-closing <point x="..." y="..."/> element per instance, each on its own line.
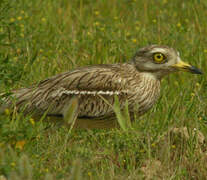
<point x="159" y="56"/>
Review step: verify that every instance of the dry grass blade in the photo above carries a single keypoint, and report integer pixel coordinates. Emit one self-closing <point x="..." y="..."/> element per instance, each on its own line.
<point x="76" y="171"/>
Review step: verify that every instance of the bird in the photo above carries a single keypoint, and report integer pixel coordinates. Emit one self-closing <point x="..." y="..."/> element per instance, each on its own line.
<point x="93" y="89"/>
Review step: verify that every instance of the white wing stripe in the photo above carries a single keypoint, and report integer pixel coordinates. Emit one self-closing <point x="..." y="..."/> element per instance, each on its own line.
<point x="62" y="91"/>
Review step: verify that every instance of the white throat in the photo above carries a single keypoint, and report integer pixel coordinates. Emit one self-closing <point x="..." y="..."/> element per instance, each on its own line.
<point x="149" y="75"/>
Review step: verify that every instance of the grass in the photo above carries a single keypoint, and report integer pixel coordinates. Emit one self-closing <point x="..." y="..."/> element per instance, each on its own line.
<point x="39" y="39"/>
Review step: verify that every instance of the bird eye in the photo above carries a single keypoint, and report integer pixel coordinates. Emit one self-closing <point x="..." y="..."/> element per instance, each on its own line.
<point x="159" y="58"/>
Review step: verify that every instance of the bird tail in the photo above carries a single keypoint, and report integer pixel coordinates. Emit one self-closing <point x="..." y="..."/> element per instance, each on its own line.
<point x="16" y="97"/>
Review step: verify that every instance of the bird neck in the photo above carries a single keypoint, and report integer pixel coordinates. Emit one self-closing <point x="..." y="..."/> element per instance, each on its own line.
<point x="149" y="75"/>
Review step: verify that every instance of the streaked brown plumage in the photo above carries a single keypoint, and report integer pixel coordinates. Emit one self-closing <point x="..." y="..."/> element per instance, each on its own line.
<point x="137" y="81"/>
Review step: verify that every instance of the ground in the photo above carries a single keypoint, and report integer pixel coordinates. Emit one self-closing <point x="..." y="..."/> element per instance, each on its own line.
<point x="39" y="39"/>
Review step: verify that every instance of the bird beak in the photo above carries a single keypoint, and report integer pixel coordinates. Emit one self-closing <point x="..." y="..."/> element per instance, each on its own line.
<point x="182" y="66"/>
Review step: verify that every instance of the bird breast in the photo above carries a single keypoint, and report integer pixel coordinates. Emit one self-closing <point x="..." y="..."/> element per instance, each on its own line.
<point x="145" y="91"/>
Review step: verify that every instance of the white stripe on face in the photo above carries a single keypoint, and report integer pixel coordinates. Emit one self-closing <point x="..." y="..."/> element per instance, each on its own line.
<point x="156" y="50"/>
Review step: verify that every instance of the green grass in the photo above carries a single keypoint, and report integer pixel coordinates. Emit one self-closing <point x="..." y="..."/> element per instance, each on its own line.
<point x="39" y="39"/>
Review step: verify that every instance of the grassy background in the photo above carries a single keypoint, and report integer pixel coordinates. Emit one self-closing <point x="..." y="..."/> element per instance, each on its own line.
<point x="42" y="38"/>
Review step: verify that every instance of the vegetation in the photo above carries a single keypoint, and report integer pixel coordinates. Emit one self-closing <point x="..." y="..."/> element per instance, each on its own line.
<point x="39" y="39"/>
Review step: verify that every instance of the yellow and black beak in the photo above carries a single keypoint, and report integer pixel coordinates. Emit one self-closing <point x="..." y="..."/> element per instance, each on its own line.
<point x="182" y="66"/>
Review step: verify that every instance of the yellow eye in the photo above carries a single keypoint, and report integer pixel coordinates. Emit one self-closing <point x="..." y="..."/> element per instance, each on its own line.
<point x="159" y="58"/>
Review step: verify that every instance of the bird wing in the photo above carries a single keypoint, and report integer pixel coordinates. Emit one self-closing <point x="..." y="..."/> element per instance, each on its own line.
<point x="94" y="86"/>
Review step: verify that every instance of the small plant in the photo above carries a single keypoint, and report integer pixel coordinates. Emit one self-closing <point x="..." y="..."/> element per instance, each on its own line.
<point x="123" y="116"/>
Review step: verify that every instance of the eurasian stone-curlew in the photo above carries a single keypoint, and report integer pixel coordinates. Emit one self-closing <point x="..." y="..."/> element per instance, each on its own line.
<point x="137" y="81"/>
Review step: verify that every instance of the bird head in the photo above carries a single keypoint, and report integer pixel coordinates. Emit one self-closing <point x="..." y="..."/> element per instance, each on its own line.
<point x="161" y="60"/>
